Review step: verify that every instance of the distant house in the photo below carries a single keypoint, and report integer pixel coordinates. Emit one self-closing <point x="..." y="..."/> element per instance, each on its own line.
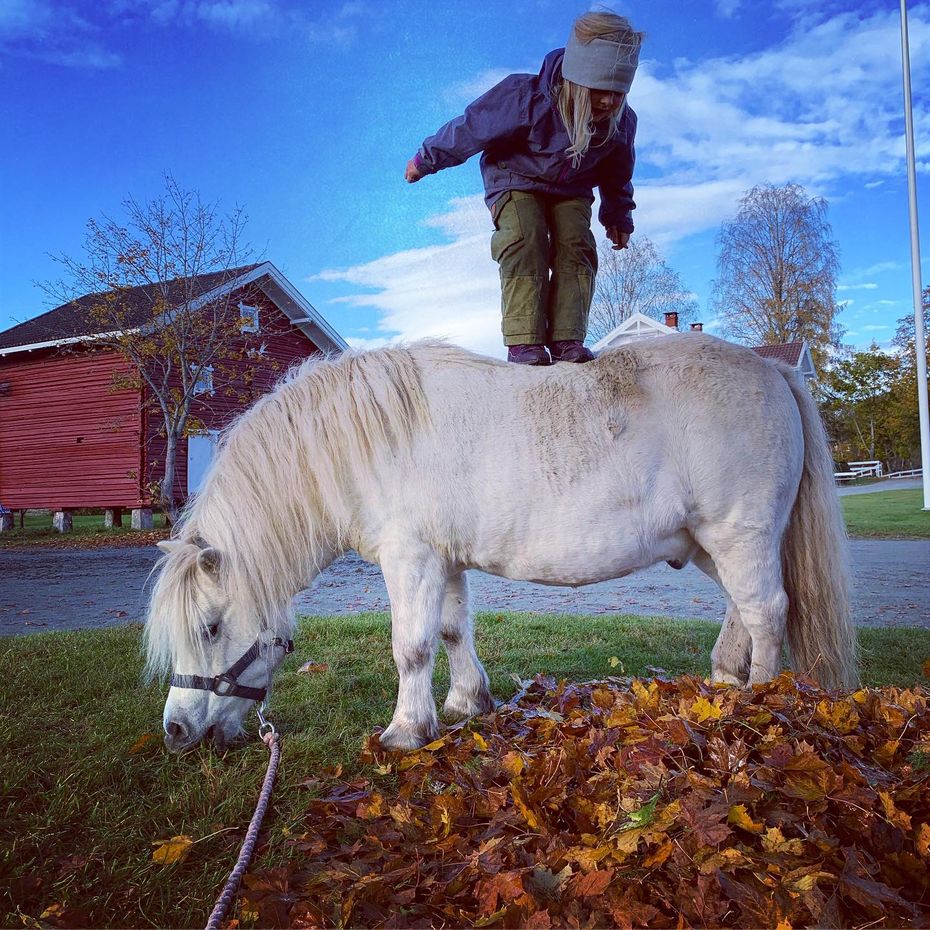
<point x="635" y="327"/>
<point x="795" y="354"/>
<point x="639" y="326"/>
<point x="69" y="440"/>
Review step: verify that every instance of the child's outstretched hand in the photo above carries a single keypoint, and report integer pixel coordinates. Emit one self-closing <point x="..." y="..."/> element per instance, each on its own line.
<point x="412" y="174"/>
<point x="618" y="238"/>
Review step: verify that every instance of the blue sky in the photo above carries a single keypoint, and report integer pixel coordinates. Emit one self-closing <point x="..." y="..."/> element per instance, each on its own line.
<point x="306" y="113"/>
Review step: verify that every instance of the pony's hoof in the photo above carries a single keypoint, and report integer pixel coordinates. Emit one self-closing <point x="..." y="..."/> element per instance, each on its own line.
<point x="463" y="707"/>
<point x="725" y="678"/>
<point x="401" y="737"/>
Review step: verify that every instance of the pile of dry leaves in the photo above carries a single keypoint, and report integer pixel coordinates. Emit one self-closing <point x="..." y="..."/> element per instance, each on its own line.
<point x="661" y="803"/>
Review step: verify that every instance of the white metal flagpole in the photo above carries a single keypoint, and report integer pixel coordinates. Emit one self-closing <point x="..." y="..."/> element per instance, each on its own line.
<point x="919" y="333"/>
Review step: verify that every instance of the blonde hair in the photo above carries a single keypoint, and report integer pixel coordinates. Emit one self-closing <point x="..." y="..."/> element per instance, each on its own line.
<point x="574" y="101"/>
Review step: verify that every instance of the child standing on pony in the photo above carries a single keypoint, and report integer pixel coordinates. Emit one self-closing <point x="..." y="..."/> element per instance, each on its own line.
<point x="547" y="141"/>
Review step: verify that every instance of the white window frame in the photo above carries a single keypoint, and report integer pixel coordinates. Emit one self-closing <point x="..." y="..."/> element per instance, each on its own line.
<point x="203" y="380"/>
<point x="249" y="318"/>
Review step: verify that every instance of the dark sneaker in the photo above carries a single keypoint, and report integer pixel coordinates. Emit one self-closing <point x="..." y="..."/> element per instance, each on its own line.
<point x="570" y="350"/>
<point x="528" y="355"/>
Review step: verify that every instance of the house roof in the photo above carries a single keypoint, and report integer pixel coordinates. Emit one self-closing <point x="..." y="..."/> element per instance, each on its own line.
<point x="788" y="352"/>
<point x="73" y="319"/>
<point x="796" y="354"/>
<point x="71" y="322"/>
<point x="636" y="325"/>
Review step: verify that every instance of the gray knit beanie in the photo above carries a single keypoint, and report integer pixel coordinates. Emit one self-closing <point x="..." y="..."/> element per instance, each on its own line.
<point x="602" y="63"/>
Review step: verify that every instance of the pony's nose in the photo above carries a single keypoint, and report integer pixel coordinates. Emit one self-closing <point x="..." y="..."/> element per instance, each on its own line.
<point x="175" y="734"/>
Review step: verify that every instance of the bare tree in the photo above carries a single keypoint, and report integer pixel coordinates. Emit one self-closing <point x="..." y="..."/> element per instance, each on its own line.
<point x="636" y="280"/>
<point x="138" y="290"/>
<point x="776" y="271"/>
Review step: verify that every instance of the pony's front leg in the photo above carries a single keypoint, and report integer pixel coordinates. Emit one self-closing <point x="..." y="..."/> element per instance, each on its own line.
<point x="469" y="691"/>
<point x="416" y="581"/>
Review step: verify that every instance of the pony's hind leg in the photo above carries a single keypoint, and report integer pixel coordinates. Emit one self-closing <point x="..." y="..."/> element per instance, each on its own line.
<point x="416" y="584"/>
<point x="733" y="650"/>
<point x="469" y="691"/>
<point x="749" y="567"/>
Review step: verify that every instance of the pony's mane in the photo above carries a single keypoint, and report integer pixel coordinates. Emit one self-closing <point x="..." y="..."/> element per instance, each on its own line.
<point x="277" y="497"/>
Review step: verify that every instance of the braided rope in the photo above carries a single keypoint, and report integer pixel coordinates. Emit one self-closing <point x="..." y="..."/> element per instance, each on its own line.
<point x="272" y="741"/>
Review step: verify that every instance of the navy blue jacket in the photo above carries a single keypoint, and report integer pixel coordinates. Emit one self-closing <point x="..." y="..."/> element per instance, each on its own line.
<point x="517" y="128"/>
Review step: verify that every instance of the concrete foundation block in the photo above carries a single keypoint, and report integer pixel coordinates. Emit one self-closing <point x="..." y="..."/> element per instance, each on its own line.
<point x="6" y="522"/>
<point x="62" y="521"/>
<point x="142" y="518"/>
<point x="112" y="516"/>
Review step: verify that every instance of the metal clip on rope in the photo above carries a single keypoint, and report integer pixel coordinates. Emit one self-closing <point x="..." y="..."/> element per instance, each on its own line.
<point x="273" y="741"/>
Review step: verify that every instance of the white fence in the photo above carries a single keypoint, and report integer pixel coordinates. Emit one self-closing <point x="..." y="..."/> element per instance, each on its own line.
<point x="871" y="469"/>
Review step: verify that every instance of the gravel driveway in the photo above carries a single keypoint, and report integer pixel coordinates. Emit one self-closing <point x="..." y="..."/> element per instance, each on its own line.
<point x="67" y="589"/>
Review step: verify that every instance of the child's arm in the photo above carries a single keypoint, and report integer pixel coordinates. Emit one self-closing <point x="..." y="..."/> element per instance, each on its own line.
<point x="496" y="115"/>
<point x="616" y="188"/>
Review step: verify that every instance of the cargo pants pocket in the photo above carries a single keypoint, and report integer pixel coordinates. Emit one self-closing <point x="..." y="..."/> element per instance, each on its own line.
<point x="508" y="231"/>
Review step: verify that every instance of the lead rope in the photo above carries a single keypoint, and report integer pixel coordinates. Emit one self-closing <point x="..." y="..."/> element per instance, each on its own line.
<point x="272" y="740"/>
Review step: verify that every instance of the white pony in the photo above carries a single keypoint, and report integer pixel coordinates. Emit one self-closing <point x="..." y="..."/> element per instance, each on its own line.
<point x="429" y="460"/>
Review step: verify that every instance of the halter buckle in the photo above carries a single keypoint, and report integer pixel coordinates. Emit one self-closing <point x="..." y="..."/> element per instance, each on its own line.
<point x="224" y="685"/>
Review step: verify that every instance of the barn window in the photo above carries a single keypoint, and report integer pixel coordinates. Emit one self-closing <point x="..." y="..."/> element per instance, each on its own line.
<point x="249" y="318"/>
<point x="203" y="383"/>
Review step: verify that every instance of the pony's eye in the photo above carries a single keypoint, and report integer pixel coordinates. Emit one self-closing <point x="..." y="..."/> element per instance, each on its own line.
<point x="213" y="629"/>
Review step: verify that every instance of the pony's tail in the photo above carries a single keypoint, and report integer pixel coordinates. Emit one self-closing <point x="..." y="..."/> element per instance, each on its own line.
<point x="821" y="633"/>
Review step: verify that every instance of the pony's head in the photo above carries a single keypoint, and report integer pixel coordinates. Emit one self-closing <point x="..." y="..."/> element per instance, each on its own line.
<point x="220" y="655"/>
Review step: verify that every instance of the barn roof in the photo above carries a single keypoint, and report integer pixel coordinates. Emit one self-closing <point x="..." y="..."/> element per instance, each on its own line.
<point x="72" y="319"/>
<point x="71" y="322"/>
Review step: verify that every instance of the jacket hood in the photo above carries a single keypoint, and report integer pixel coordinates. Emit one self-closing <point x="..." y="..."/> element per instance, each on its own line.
<point x="550" y="75"/>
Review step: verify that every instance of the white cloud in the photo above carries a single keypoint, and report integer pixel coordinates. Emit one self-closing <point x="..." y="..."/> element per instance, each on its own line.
<point x="728" y="8"/>
<point x="881" y="268"/>
<point x="255" y="19"/>
<point x="448" y="291"/>
<point x="793" y="112"/>
<point x="452" y="291"/>
<point x="235" y="14"/>
<point x="56" y="33"/>
<point x="463" y="92"/>
<point x="869" y="286"/>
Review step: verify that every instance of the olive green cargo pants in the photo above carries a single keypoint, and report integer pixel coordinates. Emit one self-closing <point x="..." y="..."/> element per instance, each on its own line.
<point x="548" y="260"/>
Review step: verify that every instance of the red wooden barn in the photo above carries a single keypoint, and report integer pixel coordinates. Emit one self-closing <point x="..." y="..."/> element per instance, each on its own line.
<point x="69" y="440"/>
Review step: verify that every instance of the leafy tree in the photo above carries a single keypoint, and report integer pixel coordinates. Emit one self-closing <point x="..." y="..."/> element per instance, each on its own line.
<point x="869" y="400"/>
<point x="904" y="392"/>
<point x="160" y="249"/>
<point x="636" y="279"/>
<point x="777" y="269"/>
<point x="856" y="397"/>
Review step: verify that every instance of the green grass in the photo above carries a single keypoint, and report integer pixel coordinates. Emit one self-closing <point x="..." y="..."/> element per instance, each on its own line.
<point x="88" y="526"/>
<point x="80" y="811"/>
<point x="887" y="514"/>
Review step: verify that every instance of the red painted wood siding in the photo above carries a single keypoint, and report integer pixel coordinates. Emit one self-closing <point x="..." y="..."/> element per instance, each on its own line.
<point x="66" y="438"/>
<point x="237" y="388"/>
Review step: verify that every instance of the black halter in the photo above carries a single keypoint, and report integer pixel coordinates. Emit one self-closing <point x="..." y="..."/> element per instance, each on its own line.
<point x="227" y="684"/>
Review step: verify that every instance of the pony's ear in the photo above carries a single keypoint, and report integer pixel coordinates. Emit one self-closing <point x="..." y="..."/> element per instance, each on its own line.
<point x="209" y="560"/>
<point x="169" y="545"/>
